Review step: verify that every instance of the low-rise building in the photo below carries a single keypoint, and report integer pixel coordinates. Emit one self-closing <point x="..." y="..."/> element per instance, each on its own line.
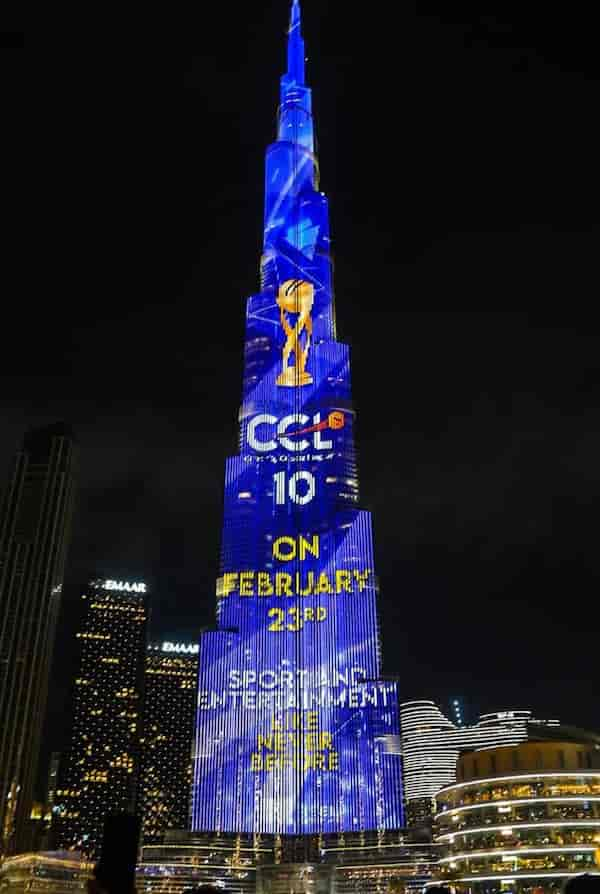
<point x="51" y="872"/>
<point x="352" y="863"/>
<point x="522" y="819"/>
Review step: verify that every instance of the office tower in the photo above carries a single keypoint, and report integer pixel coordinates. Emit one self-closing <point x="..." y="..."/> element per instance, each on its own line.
<point x="523" y="818"/>
<point x="296" y="725"/>
<point x="168" y="730"/>
<point x="102" y="764"/>
<point x="35" y="527"/>
<point x="431" y="745"/>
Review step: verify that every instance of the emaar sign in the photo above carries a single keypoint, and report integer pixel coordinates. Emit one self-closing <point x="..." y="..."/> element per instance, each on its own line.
<point x="123" y="586"/>
<point x="181" y="648"/>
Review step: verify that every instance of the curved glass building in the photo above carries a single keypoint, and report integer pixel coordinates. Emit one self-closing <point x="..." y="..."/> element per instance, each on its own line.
<point x="432" y="743"/>
<point x="522" y="819"/>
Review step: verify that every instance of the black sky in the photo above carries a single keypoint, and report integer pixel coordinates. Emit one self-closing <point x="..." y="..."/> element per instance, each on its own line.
<point x="460" y="160"/>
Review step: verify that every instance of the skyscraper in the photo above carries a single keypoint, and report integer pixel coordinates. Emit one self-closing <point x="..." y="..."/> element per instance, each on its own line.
<point x="35" y="527"/>
<point x="432" y="744"/>
<point x="169" y="709"/>
<point x="296" y="725"/>
<point x="101" y="767"/>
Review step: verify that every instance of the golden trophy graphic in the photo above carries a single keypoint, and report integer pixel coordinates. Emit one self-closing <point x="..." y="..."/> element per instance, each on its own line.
<point x="296" y="296"/>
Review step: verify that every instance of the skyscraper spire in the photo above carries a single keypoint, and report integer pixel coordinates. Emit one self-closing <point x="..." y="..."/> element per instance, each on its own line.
<point x="295" y="114"/>
<point x="295" y="15"/>
<point x="295" y="46"/>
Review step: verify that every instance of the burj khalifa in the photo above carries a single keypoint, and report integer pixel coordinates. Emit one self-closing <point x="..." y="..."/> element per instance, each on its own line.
<point x="296" y="724"/>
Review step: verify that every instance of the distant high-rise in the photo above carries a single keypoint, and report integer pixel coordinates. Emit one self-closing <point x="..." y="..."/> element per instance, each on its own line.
<point x="432" y="744"/>
<point x="35" y="525"/>
<point x="102" y="764"/>
<point x="169" y="712"/>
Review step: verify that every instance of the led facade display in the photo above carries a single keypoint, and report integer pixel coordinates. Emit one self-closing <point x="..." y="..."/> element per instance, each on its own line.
<point x="294" y="720"/>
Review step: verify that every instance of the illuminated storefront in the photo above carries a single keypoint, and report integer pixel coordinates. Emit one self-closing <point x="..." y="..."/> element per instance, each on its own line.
<point x="297" y="732"/>
<point x="522" y="819"/>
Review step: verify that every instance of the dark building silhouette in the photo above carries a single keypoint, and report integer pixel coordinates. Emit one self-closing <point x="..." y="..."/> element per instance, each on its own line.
<point x="52" y="778"/>
<point x="35" y="525"/>
<point x="100" y="770"/>
<point x="169" y="713"/>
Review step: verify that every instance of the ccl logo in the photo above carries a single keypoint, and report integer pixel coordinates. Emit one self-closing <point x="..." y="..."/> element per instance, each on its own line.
<point x="262" y="438"/>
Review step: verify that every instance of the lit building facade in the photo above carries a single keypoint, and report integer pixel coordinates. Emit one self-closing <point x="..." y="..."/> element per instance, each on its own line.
<point x="170" y="697"/>
<point x="35" y="527"/>
<point x="522" y="819"/>
<point x="431" y="745"/>
<point x="101" y="768"/>
<point x="296" y="724"/>
<point x="52" y="872"/>
<point x="372" y="864"/>
<point x="187" y="860"/>
<point x="368" y="863"/>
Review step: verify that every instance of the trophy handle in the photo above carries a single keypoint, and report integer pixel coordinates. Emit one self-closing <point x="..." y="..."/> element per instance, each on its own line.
<point x="306" y="324"/>
<point x="286" y="326"/>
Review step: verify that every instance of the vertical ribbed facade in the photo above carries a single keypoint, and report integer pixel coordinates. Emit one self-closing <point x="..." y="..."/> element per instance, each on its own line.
<point x="101" y="769"/>
<point x="34" y="531"/>
<point x="295" y="725"/>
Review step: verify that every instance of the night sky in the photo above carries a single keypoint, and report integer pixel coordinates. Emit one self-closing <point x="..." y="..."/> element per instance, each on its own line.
<point x="458" y="155"/>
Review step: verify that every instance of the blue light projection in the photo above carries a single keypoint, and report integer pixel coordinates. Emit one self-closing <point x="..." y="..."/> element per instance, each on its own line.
<point x="295" y="724"/>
